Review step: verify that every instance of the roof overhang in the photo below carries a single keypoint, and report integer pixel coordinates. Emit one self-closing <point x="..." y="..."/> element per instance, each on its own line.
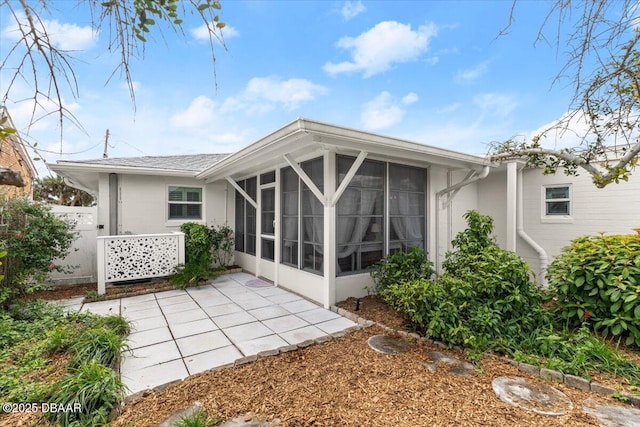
<point x="302" y="136"/>
<point x="86" y="175"/>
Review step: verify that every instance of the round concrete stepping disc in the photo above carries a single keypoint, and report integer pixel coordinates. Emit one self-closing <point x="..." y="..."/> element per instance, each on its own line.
<point x="612" y="415"/>
<point x="388" y="345"/>
<point x="539" y="398"/>
<point x="258" y="283"/>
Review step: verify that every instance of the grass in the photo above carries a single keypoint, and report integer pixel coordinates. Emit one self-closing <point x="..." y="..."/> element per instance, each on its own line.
<point x="198" y="419"/>
<point x="47" y="355"/>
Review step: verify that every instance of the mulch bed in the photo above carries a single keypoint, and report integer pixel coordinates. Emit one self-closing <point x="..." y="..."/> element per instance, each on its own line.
<point x="345" y="383"/>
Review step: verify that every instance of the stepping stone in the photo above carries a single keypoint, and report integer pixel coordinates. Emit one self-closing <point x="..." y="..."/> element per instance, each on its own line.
<point x="459" y="367"/>
<point x="612" y="415"/>
<point x="388" y="345"/>
<point x="258" y="283"/>
<point x="539" y="398"/>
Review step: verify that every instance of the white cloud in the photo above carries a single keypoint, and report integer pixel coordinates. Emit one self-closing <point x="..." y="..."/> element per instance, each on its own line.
<point x="202" y="32"/>
<point x="203" y="121"/>
<point x="450" y="108"/>
<point x="410" y="98"/>
<point x="495" y="104"/>
<point x="68" y="37"/>
<point x="351" y="9"/>
<point x="384" y="110"/>
<point x="201" y="112"/>
<point x="472" y="74"/>
<point x="376" y="50"/>
<point x="263" y="94"/>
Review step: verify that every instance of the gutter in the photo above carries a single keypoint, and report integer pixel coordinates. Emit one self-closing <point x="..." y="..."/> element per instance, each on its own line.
<point x="542" y="254"/>
<point x="472" y="177"/>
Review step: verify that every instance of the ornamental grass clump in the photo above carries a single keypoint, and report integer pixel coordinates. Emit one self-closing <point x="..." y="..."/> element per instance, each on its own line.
<point x="596" y="282"/>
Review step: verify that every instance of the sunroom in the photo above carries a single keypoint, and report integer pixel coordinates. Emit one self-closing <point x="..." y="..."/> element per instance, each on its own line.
<point x="314" y="205"/>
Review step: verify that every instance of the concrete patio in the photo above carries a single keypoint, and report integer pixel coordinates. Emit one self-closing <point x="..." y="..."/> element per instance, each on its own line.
<point x="179" y="333"/>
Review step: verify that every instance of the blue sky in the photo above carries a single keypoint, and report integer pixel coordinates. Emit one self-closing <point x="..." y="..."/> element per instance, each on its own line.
<point x="435" y="72"/>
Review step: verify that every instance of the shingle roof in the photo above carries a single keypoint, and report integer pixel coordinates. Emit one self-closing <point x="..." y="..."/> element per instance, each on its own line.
<point x="188" y="162"/>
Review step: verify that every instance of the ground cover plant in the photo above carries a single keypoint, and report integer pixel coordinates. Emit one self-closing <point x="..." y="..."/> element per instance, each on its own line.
<point x="47" y="355"/>
<point x="485" y="301"/>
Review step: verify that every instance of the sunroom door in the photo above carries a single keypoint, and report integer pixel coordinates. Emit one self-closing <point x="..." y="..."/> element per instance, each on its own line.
<point x="268" y="212"/>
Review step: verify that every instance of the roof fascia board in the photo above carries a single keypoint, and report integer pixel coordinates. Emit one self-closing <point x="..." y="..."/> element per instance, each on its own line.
<point x="19" y="143"/>
<point x="284" y="133"/>
<point x="324" y="129"/>
<point x="133" y="170"/>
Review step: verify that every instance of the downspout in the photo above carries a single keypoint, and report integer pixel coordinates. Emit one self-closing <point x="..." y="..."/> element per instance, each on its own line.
<point x="470" y="179"/>
<point x="542" y="254"/>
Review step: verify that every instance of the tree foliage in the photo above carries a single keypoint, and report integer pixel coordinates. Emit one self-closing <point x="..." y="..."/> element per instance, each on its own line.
<point x="603" y="65"/>
<point x="34" y="239"/>
<point x="35" y="60"/>
<point x="54" y="190"/>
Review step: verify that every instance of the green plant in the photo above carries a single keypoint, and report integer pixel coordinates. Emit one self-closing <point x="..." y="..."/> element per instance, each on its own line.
<point x="33" y="238"/>
<point x="31" y="332"/>
<point x="197" y="419"/>
<point x="485" y="301"/>
<point x="118" y="324"/>
<point x="596" y="282"/>
<point x="222" y="244"/>
<point x="401" y="267"/>
<point x="92" y="390"/>
<point x="99" y="343"/>
<point x="92" y="295"/>
<point x="197" y="242"/>
<point x="193" y="274"/>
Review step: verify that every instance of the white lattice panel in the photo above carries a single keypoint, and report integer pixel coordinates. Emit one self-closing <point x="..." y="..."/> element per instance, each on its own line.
<point x="138" y="257"/>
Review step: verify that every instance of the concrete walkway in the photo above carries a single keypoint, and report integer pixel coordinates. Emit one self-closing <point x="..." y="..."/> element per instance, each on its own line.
<point x="179" y="333"/>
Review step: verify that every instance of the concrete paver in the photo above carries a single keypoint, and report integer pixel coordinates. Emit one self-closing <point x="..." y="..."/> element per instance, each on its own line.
<point x="179" y="333"/>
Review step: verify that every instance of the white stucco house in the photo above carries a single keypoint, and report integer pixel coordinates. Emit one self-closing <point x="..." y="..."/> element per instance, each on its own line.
<point x="314" y="205"/>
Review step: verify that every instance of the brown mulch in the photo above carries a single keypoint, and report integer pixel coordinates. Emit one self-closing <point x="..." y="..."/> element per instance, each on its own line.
<point x="373" y="308"/>
<point x="59" y="292"/>
<point x="345" y="383"/>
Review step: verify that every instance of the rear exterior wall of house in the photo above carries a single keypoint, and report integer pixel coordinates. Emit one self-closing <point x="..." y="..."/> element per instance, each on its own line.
<point x="559" y="208"/>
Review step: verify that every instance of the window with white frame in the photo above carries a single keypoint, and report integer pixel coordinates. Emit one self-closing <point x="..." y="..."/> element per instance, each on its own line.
<point x="185" y="203"/>
<point x="557" y="200"/>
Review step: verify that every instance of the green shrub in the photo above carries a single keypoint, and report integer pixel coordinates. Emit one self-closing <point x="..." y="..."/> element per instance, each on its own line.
<point x="484" y="300"/>
<point x="222" y="244"/>
<point x="33" y="237"/>
<point x="197" y="242"/>
<point x="596" y="281"/>
<point x="92" y="388"/>
<point x="401" y="267"/>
